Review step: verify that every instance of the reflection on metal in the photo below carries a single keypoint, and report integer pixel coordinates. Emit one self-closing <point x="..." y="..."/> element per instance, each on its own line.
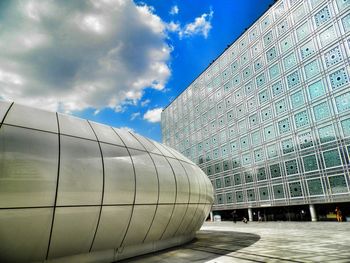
<point x="74" y="190"/>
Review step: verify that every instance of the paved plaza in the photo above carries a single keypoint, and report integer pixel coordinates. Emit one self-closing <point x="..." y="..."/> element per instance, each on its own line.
<point x="223" y="242"/>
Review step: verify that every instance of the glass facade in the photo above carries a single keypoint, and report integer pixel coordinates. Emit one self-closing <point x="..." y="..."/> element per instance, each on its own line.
<point x="269" y="120"/>
<point x="69" y="186"/>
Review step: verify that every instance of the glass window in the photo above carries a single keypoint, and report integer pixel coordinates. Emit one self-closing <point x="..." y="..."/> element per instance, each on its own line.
<point x="310" y="163"/>
<point x="295" y="189"/>
<point x="251" y="195"/>
<point x="338" y="184"/>
<point x="278" y="191"/>
<point x="264" y="193"/>
<point x="315" y="186"/>
<point x="275" y="170"/>
<point x="261" y="174"/>
<point x="291" y="167"/>
<point x="332" y="158"/>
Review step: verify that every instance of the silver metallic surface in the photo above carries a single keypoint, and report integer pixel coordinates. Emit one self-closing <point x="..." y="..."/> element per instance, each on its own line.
<point x="76" y="191"/>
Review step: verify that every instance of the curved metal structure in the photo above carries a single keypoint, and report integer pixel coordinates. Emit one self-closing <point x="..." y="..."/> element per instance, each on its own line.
<point x="75" y="190"/>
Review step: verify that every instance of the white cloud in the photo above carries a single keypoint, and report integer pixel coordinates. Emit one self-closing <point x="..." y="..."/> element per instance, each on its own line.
<point x="145" y="102"/>
<point x="134" y="116"/>
<point x="174" y="10"/>
<point x="153" y="115"/>
<point x="174" y="26"/>
<point x="200" y="26"/>
<point x="73" y="55"/>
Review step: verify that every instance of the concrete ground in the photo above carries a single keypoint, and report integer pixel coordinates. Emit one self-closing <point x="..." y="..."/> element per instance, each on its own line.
<point x="223" y="242"/>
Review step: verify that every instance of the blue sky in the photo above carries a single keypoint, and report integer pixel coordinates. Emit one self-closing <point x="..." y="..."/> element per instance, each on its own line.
<point x="116" y="62"/>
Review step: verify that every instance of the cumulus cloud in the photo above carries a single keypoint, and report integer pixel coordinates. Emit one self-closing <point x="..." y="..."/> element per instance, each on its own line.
<point x="73" y="55"/>
<point x="200" y="26"/>
<point x="153" y="115"/>
<point x="174" y="10"/>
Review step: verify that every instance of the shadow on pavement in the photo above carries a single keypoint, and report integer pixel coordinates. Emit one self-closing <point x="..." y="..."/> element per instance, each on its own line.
<point x="206" y="246"/>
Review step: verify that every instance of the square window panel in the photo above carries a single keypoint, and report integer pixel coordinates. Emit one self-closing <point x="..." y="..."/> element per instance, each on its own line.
<point x="253" y="120"/>
<point x="278" y="191"/>
<point x="305" y="140"/>
<point x="315" y="186"/>
<point x="266" y="114"/>
<point x="247" y="72"/>
<point x="299" y="12"/>
<point x="281" y="107"/>
<point x="246" y="159"/>
<point x="283" y="27"/>
<point x="303" y="31"/>
<point x="310" y="163"/>
<point x="293" y="80"/>
<point x="275" y="170"/>
<point x="295" y="189"/>
<point x="239" y="196"/>
<point x="338" y="184"/>
<point x="290" y="61"/>
<point x="284" y="126"/>
<point x="271" y="151"/>
<point x="229" y="198"/>
<point x="271" y="54"/>
<point x="286" y="44"/>
<point x="268" y="39"/>
<point x="227" y="180"/>
<point x="269" y="133"/>
<point x="322" y="16"/>
<point x="333" y="56"/>
<point x="301" y="119"/>
<point x="316" y="89"/>
<point x="308" y="49"/>
<point x="343" y="102"/>
<point x="339" y="78"/>
<point x="256" y="138"/>
<point x="345" y="124"/>
<point x="332" y="158"/>
<point x="235" y="163"/>
<point x="258" y="155"/>
<point x="251" y="195"/>
<point x="322" y="111"/>
<point x="312" y="69"/>
<point x="297" y="99"/>
<point x="260" y="80"/>
<point x="244" y="142"/>
<point x="264" y="96"/>
<point x="258" y="64"/>
<point x="326" y="134"/>
<point x="237" y="179"/>
<point x="346" y="22"/>
<point x="248" y="177"/>
<point x="277" y="88"/>
<point x="328" y="36"/>
<point x="274" y="71"/>
<point x="249" y="88"/>
<point x="266" y="22"/>
<point x="287" y="146"/>
<point x="291" y="167"/>
<point x="343" y="4"/>
<point x="264" y="193"/>
<point x="261" y="174"/>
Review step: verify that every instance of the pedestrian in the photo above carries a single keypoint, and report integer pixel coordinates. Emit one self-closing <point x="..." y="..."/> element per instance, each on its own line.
<point x="234" y="216"/>
<point x="245" y="220"/>
<point x="259" y="217"/>
<point x="338" y="214"/>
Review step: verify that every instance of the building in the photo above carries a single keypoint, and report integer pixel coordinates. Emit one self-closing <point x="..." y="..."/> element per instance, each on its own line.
<point x="269" y="119"/>
<point x="72" y="190"/>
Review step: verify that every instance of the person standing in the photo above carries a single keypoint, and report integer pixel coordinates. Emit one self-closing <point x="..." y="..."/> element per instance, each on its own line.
<point x="338" y="214"/>
<point x="234" y="216"/>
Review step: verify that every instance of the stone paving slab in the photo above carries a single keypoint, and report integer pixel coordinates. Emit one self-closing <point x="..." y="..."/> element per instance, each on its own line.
<point x="298" y="242"/>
